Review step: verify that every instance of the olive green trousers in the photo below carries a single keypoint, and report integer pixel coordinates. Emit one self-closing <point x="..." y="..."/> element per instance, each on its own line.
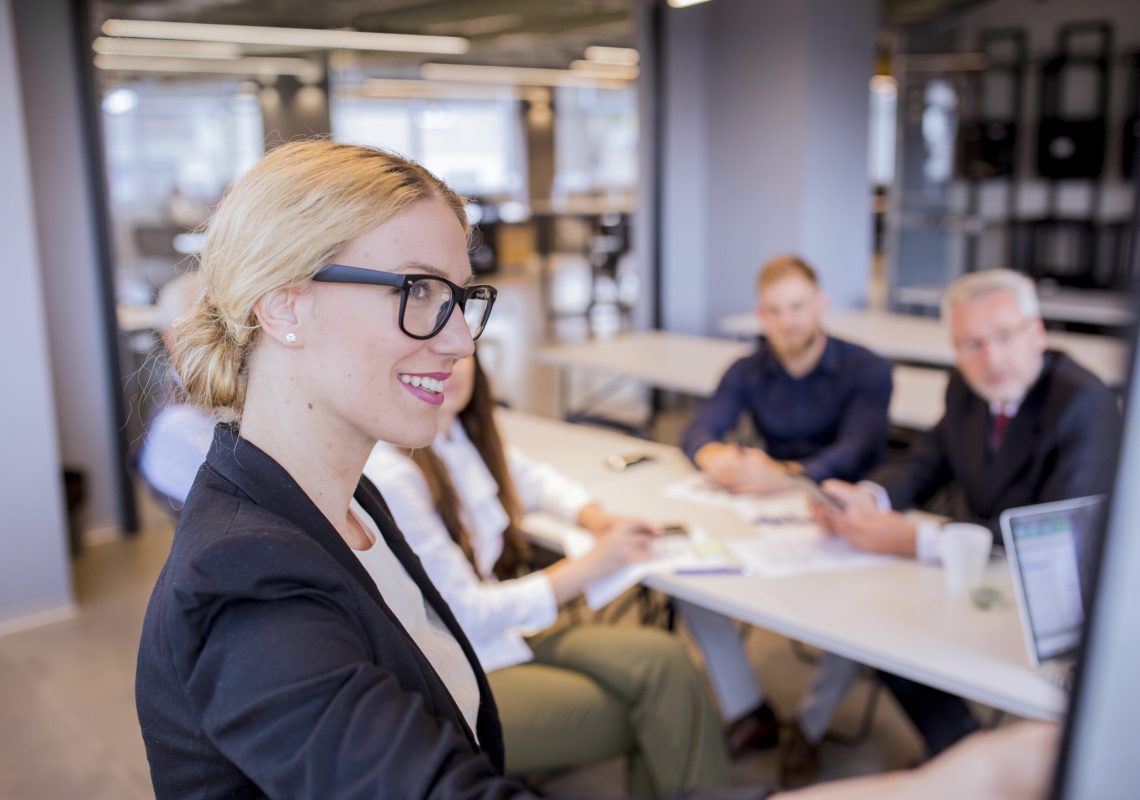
<point x="595" y="692"/>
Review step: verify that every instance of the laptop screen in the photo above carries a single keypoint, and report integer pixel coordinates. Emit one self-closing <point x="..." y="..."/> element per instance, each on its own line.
<point x="1051" y="544"/>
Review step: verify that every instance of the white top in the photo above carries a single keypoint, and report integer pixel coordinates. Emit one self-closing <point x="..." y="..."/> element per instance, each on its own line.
<point x="419" y="619"/>
<point x="176" y="444"/>
<point x="495" y="615"/>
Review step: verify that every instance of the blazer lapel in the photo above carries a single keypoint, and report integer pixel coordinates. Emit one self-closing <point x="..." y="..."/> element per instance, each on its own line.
<point x="490" y="731"/>
<point x="269" y="485"/>
<point x="1024" y="437"/>
<point x="971" y="438"/>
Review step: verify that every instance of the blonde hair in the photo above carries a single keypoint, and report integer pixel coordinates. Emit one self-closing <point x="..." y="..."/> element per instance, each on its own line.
<point x="781" y="267"/>
<point x="979" y="284"/>
<point x="277" y="225"/>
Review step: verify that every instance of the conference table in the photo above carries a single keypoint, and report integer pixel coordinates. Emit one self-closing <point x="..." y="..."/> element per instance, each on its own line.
<point x="693" y="365"/>
<point x="925" y="341"/>
<point x="896" y="615"/>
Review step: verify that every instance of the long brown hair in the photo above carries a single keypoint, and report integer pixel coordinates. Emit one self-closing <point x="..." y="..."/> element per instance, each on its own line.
<point x="478" y="420"/>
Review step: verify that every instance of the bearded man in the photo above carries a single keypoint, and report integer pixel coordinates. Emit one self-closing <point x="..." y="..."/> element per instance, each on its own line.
<point x="819" y="404"/>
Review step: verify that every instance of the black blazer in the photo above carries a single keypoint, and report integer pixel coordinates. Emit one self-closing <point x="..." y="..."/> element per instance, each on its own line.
<point x="1061" y="444"/>
<point x="270" y="665"/>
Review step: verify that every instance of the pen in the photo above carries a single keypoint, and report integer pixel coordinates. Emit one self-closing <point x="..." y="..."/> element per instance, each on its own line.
<point x="709" y="571"/>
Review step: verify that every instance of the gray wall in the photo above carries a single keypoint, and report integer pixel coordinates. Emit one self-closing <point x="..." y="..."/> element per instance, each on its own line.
<point x="34" y="575"/>
<point x="766" y="105"/>
<point x="67" y="242"/>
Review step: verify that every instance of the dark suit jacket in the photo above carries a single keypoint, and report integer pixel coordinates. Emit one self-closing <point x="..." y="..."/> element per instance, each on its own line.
<point x="1061" y="444"/>
<point x="270" y="664"/>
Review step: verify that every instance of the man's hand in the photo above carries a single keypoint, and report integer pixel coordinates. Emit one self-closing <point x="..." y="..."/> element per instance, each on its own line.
<point x="849" y="495"/>
<point x="866" y="527"/>
<point x="742" y="470"/>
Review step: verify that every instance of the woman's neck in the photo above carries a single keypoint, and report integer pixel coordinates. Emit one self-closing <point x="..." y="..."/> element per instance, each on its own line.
<point x="325" y="458"/>
<point x="447" y="426"/>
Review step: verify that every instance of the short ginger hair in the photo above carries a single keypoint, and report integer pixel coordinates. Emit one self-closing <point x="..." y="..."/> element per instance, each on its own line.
<point x="781" y="267"/>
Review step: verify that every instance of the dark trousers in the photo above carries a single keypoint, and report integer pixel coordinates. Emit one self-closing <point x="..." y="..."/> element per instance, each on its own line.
<point x="941" y="718"/>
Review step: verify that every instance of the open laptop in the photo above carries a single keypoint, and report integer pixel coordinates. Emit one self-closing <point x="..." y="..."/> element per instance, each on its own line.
<point x="1046" y="546"/>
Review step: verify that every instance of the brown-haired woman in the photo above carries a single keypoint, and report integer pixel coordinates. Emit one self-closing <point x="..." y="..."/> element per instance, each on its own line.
<point x="570" y="694"/>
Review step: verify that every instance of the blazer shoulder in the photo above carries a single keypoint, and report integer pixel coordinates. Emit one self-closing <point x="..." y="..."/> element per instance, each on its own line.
<point x="232" y="550"/>
<point x="1071" y="384"/>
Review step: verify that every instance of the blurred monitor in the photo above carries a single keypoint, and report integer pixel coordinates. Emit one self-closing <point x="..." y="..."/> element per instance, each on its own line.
<point x="1098" y="753"/>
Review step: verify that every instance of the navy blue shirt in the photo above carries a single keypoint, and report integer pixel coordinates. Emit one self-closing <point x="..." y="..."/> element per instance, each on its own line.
<point x="833" y="421"/>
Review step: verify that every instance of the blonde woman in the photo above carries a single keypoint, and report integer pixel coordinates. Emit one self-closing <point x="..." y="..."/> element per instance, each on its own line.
<point x="271" y="664"/>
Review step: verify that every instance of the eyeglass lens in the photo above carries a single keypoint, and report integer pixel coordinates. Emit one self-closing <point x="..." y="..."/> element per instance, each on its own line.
<point x="429" y="302"/>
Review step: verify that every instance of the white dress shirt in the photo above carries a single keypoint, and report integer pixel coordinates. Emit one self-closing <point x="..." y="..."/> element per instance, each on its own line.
<point x="496" y="616"/>
<point x="928" y="535"/>
<point x="419" y="619"/>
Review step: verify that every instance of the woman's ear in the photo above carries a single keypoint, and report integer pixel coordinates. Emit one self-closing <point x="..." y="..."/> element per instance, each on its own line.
<point x="278" y="317"/>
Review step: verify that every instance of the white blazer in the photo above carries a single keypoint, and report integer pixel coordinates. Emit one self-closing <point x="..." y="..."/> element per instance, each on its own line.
<point x="496" y="616"/>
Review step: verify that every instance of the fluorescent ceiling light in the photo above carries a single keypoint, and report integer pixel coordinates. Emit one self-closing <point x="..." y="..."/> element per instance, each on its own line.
<point x="307" y="71"/>
<point x="411" y="88"/>
<point x="287" y="37"/>
<point x="164" y="48"/>
<point x="612" y="55"/>
<point x="526" y="76"/>
<point x="684" y="3"/>
<point x="617" y="72"/>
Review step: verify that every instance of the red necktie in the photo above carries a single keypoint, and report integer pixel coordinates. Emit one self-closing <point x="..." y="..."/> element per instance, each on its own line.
<point x="1001" y="424"/>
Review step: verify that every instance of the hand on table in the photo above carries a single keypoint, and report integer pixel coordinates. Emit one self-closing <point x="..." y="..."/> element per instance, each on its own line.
<point x="862" y="523"/>
<point x="743" y="470"/>
<point x="850" y="495"/>
<point x="623" y="544"/>
<point x="600" y="523"/>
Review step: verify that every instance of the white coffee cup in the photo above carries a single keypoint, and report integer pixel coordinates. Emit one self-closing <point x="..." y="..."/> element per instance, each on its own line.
<point x="965" y="550"/>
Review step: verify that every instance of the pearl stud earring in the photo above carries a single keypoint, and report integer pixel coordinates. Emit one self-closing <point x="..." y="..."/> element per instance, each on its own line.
<point x="291" y="337"/>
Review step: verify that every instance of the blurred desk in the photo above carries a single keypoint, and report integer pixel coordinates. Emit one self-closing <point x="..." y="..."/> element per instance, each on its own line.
<point x="694" y="365"/>
<point x="925" y="341"/>
<point x="894" y="616"/>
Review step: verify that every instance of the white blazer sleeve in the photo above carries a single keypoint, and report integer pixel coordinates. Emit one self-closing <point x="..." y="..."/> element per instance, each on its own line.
<point x="483" y="609"/>
<point x="543" y="488"/>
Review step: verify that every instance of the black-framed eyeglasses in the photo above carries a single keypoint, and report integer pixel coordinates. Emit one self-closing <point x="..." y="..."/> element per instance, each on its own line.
<point x="426" y="301"/>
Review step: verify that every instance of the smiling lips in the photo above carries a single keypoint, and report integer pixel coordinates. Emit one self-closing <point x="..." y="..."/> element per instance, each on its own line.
<point x="427" y="387"/>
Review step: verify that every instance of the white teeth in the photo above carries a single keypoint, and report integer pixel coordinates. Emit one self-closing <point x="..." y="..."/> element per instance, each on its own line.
<point x="423" y="382"/>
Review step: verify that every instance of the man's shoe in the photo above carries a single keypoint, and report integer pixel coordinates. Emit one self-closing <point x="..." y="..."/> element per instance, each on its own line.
<point x="800" y="763"/>
<point x="757" y="730"/>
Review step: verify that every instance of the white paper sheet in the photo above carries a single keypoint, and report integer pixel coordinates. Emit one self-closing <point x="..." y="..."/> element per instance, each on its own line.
<point x="779" y="551"/>
<point x="790" y="507"/>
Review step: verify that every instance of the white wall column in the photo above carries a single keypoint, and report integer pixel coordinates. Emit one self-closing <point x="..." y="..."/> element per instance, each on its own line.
<point x="65" y="219"/>
<point x="35" y="583"/>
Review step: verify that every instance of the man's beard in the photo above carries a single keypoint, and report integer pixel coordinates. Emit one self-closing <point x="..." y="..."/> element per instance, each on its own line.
<point x="797" y="348"/>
